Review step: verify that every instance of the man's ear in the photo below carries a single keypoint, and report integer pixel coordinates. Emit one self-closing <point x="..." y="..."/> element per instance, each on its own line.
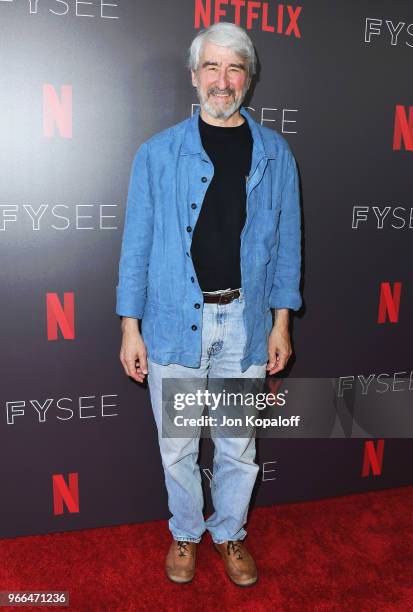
<point x="194" y="78"/>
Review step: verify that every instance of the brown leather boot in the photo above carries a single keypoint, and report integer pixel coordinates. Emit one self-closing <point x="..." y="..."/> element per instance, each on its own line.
<point x="239" y="564"/>
<point x="180" y="561"/>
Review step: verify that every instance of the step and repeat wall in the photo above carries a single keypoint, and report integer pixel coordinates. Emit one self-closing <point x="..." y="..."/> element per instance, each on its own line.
<point x="83" y="84"/>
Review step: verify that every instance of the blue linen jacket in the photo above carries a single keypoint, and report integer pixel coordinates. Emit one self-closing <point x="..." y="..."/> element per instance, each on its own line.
<point x="157" y="281"/>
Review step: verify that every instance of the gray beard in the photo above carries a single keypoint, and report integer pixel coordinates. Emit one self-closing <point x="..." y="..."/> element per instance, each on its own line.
<point x="220" y="114"/>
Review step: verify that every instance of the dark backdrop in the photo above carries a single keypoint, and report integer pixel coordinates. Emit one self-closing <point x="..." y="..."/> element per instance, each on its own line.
<point x="333" y="76"/>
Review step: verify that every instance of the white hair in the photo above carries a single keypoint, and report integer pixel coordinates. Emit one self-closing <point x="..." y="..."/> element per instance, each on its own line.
<point x="226" y="35"/>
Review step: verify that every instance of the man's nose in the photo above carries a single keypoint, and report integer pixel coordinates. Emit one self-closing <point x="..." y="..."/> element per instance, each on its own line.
<point x="223" y="81"/>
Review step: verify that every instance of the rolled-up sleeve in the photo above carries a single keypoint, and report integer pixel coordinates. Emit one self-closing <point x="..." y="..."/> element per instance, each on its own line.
<point x="285" y="292"/>
<point x="136" y="240"/>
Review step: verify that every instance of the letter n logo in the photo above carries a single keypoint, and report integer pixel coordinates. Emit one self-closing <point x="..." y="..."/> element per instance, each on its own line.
<point x="203" y="13"/>
<point x="389" y="302"/>
<point x="62" y="317"/>
<point x="403" y="128"/>
<point x="373" y="458"/>
<point x="57" y="111"/>
<point x="64" y="493"/>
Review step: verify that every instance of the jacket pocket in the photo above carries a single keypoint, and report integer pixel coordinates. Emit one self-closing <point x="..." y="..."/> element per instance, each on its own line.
<point x="163" y="327"/>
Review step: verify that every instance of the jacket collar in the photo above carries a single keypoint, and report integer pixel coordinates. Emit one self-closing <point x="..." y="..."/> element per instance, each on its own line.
<point x="261" y="148"/>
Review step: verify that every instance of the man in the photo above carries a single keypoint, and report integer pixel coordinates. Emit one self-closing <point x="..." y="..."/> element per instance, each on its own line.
<point x="211" y="244"/>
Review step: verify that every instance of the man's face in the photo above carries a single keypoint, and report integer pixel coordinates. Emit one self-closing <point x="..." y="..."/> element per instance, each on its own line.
<point x="221" y="80"/>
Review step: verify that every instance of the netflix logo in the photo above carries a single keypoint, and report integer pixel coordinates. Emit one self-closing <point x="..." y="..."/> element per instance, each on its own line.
<point x="60" y="317"/>
<point x="267" y="16"/>
<point x="403" y="128"/>
<point x="65" y="494"/>
<point x="373" y="458"/>
<point x="389" y="302"/>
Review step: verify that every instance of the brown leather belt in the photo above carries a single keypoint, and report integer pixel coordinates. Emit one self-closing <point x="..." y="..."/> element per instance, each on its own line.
<point x="222" y="298"/>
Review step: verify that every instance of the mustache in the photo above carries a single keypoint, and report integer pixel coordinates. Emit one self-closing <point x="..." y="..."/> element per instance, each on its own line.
<point x="215" y="90"/>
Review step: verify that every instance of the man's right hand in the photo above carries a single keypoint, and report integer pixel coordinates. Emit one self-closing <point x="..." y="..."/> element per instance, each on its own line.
<point x="133" y="354"/>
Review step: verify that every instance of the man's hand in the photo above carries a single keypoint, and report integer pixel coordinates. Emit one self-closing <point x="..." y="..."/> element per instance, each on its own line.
<point x="279" y="344"/>
<point x="133" y="350"/>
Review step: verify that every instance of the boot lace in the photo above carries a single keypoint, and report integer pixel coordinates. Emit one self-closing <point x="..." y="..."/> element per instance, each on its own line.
<point x="234" y="547"/>
<point x="182" y="547"/>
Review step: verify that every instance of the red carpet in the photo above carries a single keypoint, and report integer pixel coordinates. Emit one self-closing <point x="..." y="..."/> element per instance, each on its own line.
<point x="346" y="553"/>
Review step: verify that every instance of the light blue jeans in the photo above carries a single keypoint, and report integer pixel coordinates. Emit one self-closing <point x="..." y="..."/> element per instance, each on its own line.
<point x="234" y="468"/>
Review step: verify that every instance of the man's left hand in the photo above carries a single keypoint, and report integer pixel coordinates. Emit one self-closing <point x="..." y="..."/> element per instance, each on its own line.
<point x="279" y="348"/>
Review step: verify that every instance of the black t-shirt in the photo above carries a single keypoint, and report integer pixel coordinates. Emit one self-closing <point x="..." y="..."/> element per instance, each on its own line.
<point x="215" y="247"/>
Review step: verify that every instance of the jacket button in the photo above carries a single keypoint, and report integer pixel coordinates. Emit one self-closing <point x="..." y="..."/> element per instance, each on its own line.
<point x="194" y="327"/>
<point x="192" y="279"/>
<point x="197" y="305"/>
<point x="193" y="205"/>
<point x="189" y="228"/>
<point x="204" y="179"/>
